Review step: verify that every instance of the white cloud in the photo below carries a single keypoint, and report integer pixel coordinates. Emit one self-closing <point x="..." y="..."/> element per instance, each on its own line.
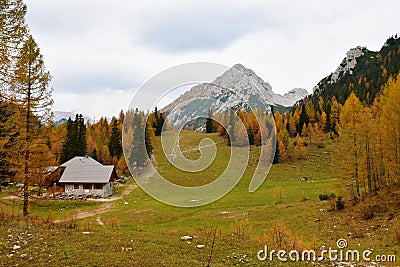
<point x="94" y="47"/>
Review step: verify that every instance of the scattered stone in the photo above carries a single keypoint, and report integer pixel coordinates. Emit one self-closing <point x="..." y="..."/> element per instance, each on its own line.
<point x="317" y="220"/>
<point x="186" y="237"/>
<point x="200" y="246"/>
<point x="10" y="255"/>
<point x="15" y="247"/>
<point x="23" y="255"/>
<point x="126" y="203"/>
<point x="321" y="210"/>
<point x="345" y="264"/>
<point x="87" y="233"/>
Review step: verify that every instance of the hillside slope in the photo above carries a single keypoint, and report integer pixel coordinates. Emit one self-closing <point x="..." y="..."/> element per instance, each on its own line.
<point x="362" y="71"/>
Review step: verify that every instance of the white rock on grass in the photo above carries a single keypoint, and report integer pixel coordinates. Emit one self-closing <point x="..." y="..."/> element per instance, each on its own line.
<point x="186" y="237"/>
<point x="200" y="246"/>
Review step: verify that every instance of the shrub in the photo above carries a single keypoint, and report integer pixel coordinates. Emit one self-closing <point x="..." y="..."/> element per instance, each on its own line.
<point x="323" y="197"/>
<point x="340" y="203"/>
<point x="279" y="236"/>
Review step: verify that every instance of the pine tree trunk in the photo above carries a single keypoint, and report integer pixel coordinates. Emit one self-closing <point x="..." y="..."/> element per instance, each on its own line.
<point x="356" y="168"/>
<point x="27" y="143"/>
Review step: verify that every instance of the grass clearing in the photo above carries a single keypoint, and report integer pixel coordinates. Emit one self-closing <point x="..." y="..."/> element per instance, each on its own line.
<point x="140" y="231"/>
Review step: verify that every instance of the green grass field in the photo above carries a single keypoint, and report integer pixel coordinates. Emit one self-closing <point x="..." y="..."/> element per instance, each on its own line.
<point x="137" y="230"/>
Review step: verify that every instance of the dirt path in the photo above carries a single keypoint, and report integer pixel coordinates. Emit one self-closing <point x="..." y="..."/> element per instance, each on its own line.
<point x="101" y="209"/>
<point x="85" y="214"/>
<point x="129" y="188"/>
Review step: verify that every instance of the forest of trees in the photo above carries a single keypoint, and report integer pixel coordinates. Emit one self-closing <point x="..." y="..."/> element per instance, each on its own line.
<point x="368" y="145"/>
<point x="366" y="137"/>
<point x="361" y="118"/>
<point x="229" y="125"/>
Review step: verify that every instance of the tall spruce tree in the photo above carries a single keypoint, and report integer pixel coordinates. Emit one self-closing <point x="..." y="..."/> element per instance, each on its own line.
<point x="147" y="139"/>
<point x="138" y="154"/>
<point x="114" y="145"/>
<point x="75" y="142"/>
<point x="158" y="122"/>
<point x="80" y="140"/>
<point x="141" y="142"/>
<point x="68" y="146"/>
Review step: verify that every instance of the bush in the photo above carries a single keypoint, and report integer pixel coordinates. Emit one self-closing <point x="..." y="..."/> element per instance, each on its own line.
<point x="323" y="197"/>
<point x="339" y="203"/>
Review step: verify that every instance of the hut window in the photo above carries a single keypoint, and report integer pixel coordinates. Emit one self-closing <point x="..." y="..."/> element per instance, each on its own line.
<point x="87" y="186"/>
<point x="98" y="186"/>
<point x="76" y="186"/>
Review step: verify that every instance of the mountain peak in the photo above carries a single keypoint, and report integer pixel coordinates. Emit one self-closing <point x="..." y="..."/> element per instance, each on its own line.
<point x="242" y="68"/>
<point x="237" y="88"/>
<point x="348" y="63"/>
<point x="362" y="71"/>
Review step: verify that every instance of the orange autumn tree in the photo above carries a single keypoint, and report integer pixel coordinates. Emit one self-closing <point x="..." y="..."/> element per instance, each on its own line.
<point x="350" y="146"/>
<point x="369" y="145"/>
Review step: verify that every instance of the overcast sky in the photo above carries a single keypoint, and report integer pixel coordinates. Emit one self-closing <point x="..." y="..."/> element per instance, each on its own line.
<point x="100" y="51"/>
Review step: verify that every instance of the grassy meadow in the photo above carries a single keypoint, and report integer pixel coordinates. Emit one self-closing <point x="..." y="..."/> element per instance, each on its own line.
<point x="137" y="230"/>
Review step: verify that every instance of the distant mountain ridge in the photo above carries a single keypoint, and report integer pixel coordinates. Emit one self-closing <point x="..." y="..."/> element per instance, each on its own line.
<point x="60" y="117"/>
<point x="238" y="87"/>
